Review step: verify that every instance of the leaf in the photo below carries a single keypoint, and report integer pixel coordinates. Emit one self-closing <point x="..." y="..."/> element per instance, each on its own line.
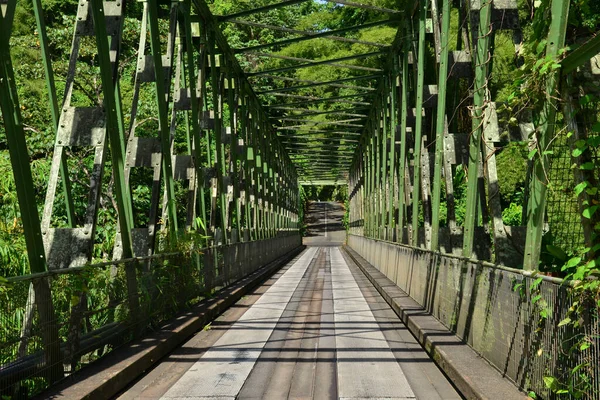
<point x="577" y="152"/>
<point x="594" y="141"/>
<point x="585" y="100"/>
<point x="589" y="212"/>
<point x="532" y="154"/>
<point x="581" y="187"/>
<point x="551" y="382"/>
<point x="564" y="322"/>
<point x="541" y="47"/>
<point x="557" y="252"/>
<point x="596" y="127"/>
<point x="536" y="283"/>
<point x="584" y="346"/>
<point x="536" y="299"/>
<point x="588" y="166"/>
<point x="573" y="262"/>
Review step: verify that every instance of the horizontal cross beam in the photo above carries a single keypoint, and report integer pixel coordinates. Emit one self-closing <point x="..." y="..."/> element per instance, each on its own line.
<point x="323" y="62"/>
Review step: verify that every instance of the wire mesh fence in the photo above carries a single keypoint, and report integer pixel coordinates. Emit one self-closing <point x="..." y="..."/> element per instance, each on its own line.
<point x="53" y="324"/>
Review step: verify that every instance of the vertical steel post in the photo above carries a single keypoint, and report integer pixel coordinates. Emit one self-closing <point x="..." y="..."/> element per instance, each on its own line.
<point x="403" y="149"/>
<point x="440" y="127"/>
<point x="391" y="90"/>
<point x="19" y="158"/>
<point x="536" y="206"/>
<point x="54" y="111"/>
<point x="163" y="109"/>
<point x="383" y="133"/>
<point x="114" y="128"/>
<point x="419" y="120"/>
<point x="479" y="101"/>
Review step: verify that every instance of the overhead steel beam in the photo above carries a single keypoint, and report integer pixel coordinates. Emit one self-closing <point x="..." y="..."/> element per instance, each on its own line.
<point x="322" y="139"/>
<point x="316" y="35"/>
<point x="581" y="54"/>
<point x="326" y="122"/>
<point x="224" y="18"/>
<point x="312" y="132"/>
<point x="340" y="99"/>
<point x="334" y="83"/>
<point x="322" y="62"/>
<point x="309" y="112"/>
<point x="297" y="32"/>
<point x="310" y="61"/>
<point x="315" y="123"/>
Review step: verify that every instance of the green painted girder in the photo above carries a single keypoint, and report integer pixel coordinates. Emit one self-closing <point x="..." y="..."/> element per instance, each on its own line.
<point x="366" y="6"/>
<point x="19" y="156"/>
<point x="325" y="172"/>
<point x="322" y="62"/>
<point x="343" y="161"/>
<point x="323" y="164"/>
<point x="114" y="128"/>
<point x="334" y="83"/>
<point x="339" y="99"/>
<point x="300" y="32"/>
<point x="315" y="141"/>
<point x="440" y="127"/>
<point x="54" y="108"/>
<point x="318" y="181"/>
<point x="321" y="146"/>
<point x="224" y="18"/>
<point x="308" y="133"/>
<point x="581" y="55"/>
<point x="479" y="99"/>
<point x="309" y="146"/>
<point x="325" y="122"/>
<point x="317" y="112"/>
<point x="315" y="35"/>
<point x="317" y="125"/>
<point x="536" y="205"/>
<point x="309" y="126"/>
<point x="310" y="61"/>
<point x="416" y="190"/>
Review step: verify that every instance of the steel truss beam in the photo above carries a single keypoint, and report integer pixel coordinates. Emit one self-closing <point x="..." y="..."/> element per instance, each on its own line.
<point x="329" y="62"/>
<point x="334" y="83"/>
<point x="314" y="35"/>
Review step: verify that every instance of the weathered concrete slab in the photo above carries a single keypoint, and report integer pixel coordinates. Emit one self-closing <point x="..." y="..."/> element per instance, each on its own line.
<point x="222" y="371"/>
<point x="472" y="375"/>
<point x="365" y="363"/>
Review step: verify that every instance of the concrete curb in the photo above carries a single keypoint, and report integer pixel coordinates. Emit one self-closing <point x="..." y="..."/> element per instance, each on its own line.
<point x="472" y="375"/>
<point x="109" y="375"/>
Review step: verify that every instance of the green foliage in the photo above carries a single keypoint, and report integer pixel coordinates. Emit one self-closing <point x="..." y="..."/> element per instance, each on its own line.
<point x="512" y="170"/>
<point x="512" y="215"/>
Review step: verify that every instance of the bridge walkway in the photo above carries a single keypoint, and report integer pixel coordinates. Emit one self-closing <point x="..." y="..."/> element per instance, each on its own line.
<point x="317" y="329"/>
